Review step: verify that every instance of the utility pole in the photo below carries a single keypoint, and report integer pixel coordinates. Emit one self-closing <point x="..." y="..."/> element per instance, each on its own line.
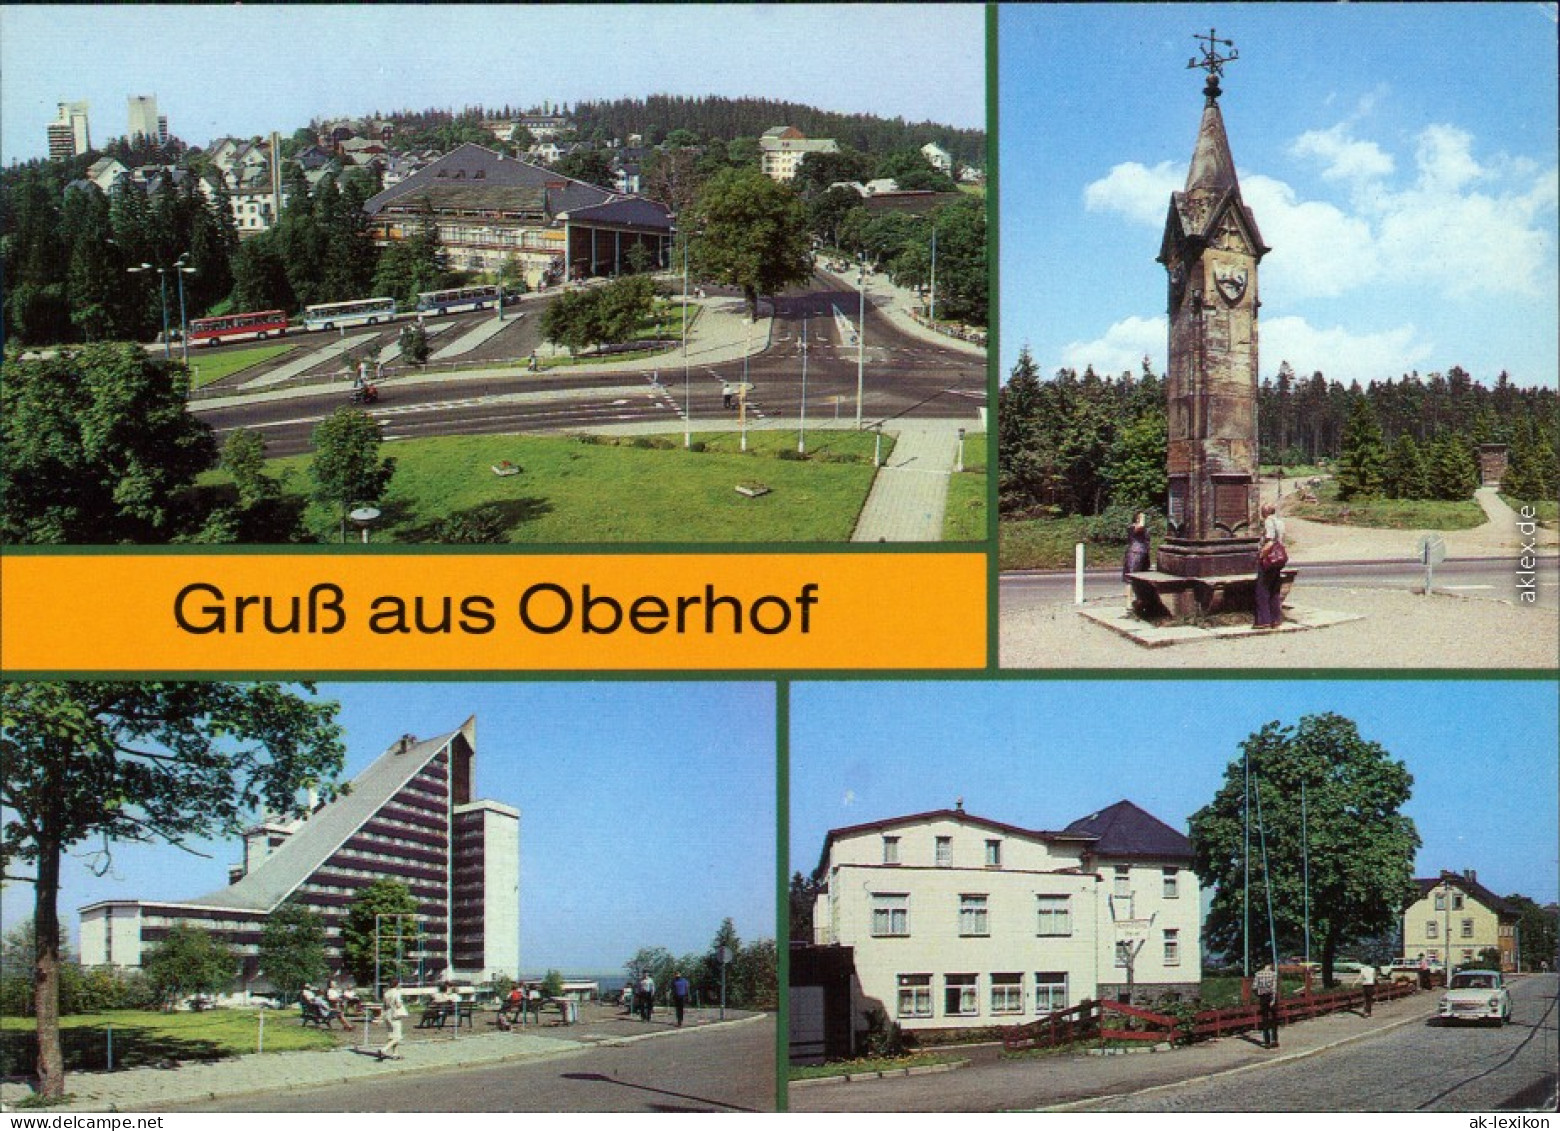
<point x="801" y="435"/>
<point x="861" y="336"/>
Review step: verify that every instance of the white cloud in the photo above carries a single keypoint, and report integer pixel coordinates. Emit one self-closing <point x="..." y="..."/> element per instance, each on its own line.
<point x="1136" y="191"/>
<point x="1121" y="348"/>
<point x="1339" y="353"/>
<point x="1319" y="251"/>
<point x="1344" y="158"/>
<point x="1444" y="157"/>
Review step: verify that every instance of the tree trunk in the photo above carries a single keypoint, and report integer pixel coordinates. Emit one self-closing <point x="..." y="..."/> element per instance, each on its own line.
<point x="46" y="965"/>
<point x="1329" y="952"/>
<point x="751" y="295"/>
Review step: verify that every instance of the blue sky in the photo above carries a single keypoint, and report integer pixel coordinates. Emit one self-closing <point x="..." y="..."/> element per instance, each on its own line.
<point x="1400" y="159"/>
<point x="647" y="811"/>
<point x="1041" y="754"/>
<point x="248" y="70"/>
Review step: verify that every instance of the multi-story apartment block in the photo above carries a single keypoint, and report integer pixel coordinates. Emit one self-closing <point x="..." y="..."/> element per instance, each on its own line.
<point x="144" y="119"/>
<point x="1456" y="917"/>
<point x="781" y="149"/>
<point x="956" y="921"/>
<point x="409" y="816"/>
<point x="69" y="135"/>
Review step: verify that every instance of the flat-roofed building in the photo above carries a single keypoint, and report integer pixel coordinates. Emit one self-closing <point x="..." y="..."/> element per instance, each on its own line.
<point x="410" y="817"/>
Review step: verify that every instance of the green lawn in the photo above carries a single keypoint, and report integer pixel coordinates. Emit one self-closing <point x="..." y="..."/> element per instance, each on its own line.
<point x="1392" y="514"/>
<point x="143" y="1038"/>
<point x="615" y="489"/>
<point x="1548" y="510"/>
<point x="1294" y="471"/>
<point x="1219" y="991"/>
<point x="1047" y="543"/>
<point x="965" y="518"/>
<point x="871" y="1064"/>
<point x="208" y="367"/>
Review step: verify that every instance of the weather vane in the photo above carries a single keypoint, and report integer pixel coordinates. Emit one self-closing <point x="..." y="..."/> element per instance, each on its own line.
<point x="1212" y="61"/>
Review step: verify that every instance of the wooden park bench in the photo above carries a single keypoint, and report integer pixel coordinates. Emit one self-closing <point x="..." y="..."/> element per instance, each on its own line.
<point x="437" y="1013"/>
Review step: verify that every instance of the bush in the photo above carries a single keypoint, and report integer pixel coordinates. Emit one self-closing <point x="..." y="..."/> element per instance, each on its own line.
<point x="1109" y="527"/>
<point x="791" y="454"/>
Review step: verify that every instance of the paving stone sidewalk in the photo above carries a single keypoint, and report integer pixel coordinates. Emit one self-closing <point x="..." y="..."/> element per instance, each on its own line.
<point x="910" y="493"/>
<point x="151" y="1089"/>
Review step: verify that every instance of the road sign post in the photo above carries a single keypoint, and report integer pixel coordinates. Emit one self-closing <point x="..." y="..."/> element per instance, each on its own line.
<point x="1432" y="552"/>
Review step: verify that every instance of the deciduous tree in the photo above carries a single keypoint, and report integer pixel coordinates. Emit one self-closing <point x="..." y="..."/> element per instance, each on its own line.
<point x="750" y="232"/>
<point x="188" y="961"/>
<point x="1354" y="837"/>
<point x="93" y="764"/>
<point x="292" y="948"/>
<point x="347" y="469"/>
<point x="381" y="934"/>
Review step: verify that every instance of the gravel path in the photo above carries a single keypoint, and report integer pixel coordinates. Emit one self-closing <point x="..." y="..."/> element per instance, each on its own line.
<point x="1399" y="630"/>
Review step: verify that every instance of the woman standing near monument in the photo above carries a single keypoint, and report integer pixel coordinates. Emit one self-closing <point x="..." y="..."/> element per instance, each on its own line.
<point x="1271" y="559"/>
<point x="1137" y="550"/>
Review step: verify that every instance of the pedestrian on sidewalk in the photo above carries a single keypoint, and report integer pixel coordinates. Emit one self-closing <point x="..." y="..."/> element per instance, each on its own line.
<point x="680" y="989"/>
<point x="1136" y="560"/>
<point x="1265" y="987"/>
<point x="646" y="996"/>
<point x="394" y="1014"/>
<point x="1367" y="984"/>
<point x="1272" y="556"/>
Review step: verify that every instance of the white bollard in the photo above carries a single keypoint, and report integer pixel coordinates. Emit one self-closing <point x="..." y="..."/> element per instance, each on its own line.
<point x="1078" y="574"/>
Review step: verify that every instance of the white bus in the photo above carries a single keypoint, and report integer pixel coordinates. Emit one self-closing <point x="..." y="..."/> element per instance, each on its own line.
<point x="330" y="315"/>
<point x="457" y="298"/>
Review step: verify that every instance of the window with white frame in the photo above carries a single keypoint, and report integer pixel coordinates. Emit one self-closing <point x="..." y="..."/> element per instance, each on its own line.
<point x="945" y="852"/>
<point x="915" y="995"/>
<point x="1432" y="929"/>
<point x="891" y="850"/>
<point x="1007" y="993"/>
<point x="1123" y="886"/>
<point x="1050" y="992"/>
<point x="961" y="995"/>
<point x="1467" y="928"/>
<point x="1172" y="883"/>
<point x="1440" y="901"/>
<point x="1052" y="915"/>
<point x="1457" y="901"/>
<point x="1172" y="947"/>
<point x="993" y="854"/>
<point x="890" y="914"/>
<point x="973" y="917"/>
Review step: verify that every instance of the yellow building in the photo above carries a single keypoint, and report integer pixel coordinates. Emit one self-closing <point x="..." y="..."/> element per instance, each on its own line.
<point x="1456" y="917"/>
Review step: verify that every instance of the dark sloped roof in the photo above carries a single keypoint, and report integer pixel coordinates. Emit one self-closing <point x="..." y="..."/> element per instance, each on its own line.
<point x="466" y="197"/>
<point x="472" y="163"/>
<point x="1473" y="887"/>
<point x="634" y="211"/>
<point x="958" y="815"/>
<point x="1125" y="830"/>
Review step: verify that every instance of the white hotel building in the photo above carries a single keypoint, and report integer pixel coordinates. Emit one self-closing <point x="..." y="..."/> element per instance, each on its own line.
<point x="409" y="816"/>
<point x="956" y="921"/>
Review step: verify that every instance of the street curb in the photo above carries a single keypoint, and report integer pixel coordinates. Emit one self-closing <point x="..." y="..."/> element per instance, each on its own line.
<point x="404" y="1069"/>
<point x="888" y="1074"/>
<point x="1078" y="1105"/>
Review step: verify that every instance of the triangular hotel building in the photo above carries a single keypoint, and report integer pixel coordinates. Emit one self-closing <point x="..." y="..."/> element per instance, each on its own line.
<point x="408" y="817"/>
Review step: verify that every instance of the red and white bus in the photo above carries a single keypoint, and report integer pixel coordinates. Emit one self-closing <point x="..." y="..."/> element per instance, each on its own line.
<point x="236" y="327"/>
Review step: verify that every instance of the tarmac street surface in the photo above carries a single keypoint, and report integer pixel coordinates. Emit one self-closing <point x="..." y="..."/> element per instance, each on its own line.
<point x="724" y="1068"/>
<point x="907" y="375"/>
<point x="1400" y="1059"/>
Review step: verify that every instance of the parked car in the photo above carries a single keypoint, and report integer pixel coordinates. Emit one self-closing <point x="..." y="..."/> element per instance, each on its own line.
<point x="1476" y="995"/>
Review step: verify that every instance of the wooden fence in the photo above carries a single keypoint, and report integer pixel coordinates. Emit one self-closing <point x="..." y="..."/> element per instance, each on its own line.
<point x="1116" y="1021"/>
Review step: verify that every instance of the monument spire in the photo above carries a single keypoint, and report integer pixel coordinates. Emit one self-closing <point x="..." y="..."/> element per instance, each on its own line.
<point x="1212" y="167"/>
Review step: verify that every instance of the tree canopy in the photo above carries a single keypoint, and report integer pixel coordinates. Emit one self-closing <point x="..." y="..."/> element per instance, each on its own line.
<point x="750" y="232"/>
<point x="1358" y="843"/>
<point x="97" y="763"/>
<point x="95" y="446"/>
<point x="292" y="948"/>
<point x="346" y="468"/>
<point x="380" y="935"/>
<point x="188" y="961"/>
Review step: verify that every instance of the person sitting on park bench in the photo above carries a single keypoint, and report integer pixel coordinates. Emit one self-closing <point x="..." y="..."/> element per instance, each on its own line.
<point x="316" y="1010"/>
<point x="513" y="1009"/>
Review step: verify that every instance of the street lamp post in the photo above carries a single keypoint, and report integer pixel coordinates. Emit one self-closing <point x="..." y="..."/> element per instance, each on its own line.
<point x="687" y="375"/>
<point x="932" y="312"/>
<point x="184" y="324"/>
<point x="861" y="335"/>
<point x="179" y="270"/>
<point x="959" y="463"/>
<point x="742" y="395"/>
<point x="162" y="288"/>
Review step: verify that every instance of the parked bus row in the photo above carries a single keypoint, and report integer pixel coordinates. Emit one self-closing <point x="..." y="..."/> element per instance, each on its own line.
<point x="258" y="325"/>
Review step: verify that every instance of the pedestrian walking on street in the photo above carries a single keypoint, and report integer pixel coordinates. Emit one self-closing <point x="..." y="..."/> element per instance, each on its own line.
<point x="680" y="989"/>
<point x="394" y="1013"/>
<point x="1265" y="987"/>
<point x="1367" y="984"/>
<point x="646" y="996"/>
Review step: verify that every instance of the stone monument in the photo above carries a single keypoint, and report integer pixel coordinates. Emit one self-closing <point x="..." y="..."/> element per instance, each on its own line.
<point x="1211" y="249"/>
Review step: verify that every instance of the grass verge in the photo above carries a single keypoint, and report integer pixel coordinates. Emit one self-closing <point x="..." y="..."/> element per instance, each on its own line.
<point x="144" y="1038"/>
<point x="1047" y="543"/>
<point x="871" y="1064"/>
<point x="574" y="489"/>
<point x="206" y="368"/>
<point x="1388" y="514"/>
<point x="964" y="520"/>
<point x="1547" y="510"/>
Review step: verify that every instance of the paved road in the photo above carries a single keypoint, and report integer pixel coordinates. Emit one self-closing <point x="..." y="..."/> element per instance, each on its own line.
<point x="726" y="1069"/>
<point x="1418" y="1067"/>
<point x="905" y="377"/>
<point x="1492" y="579"/>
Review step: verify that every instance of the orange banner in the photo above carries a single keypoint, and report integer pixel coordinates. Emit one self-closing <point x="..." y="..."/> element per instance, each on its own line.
<point x="307" y="614"/>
